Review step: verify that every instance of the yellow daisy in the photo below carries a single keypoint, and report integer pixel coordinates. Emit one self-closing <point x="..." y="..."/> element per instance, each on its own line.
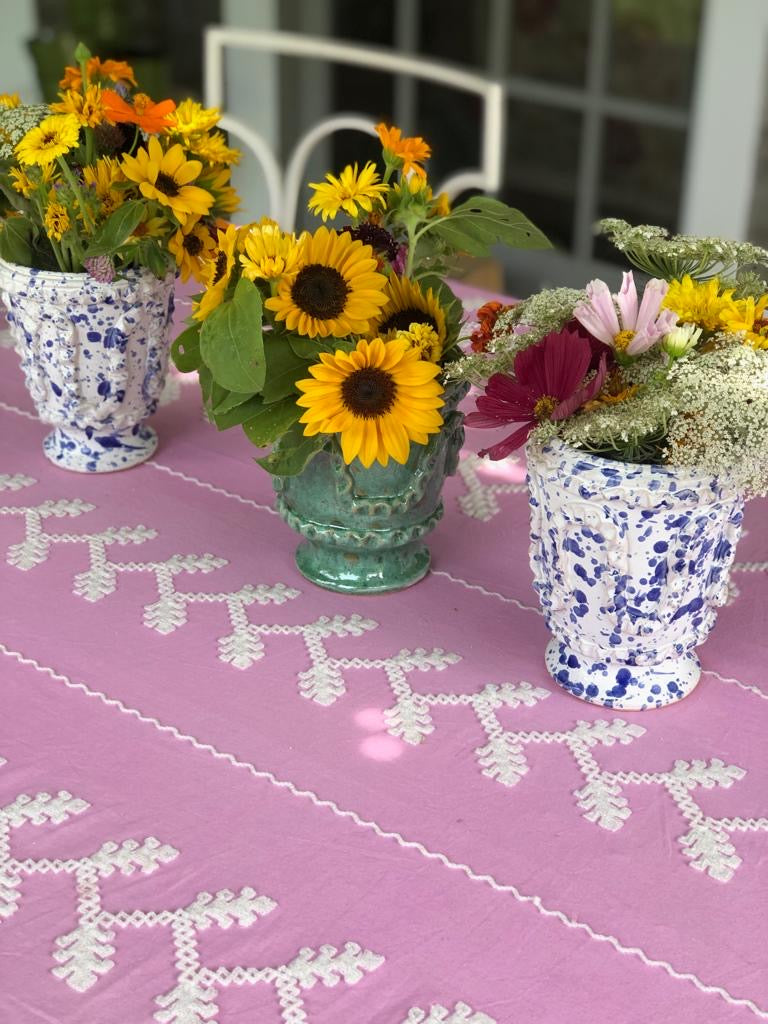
<point x="191" y="118"/>
<point x="212" y="147"/>
<point x="424" y="338"/>
<point x="54" y="136"/>
<point x="697" y="302"/>
<point x="269" y="253"/>
<point x="379" y="398"/>
<point x="9" y="100"/>
<point x="56" y="220"/>
<point x="88" y="108"/>
<point x="191" y="246"/>
<point x="26" y="184"/>
<point x="335" y="290"/>
<point x="747" y="315"/>
<point x="408" y="305"/>
<point x="102" y="178"/>
<point x="352" y="192"/>
<point x="167" y="177"/>
<point x="217" y="272"/>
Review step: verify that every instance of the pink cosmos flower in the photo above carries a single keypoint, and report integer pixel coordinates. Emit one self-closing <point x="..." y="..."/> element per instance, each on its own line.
<point x="548" y="384"/>
<point x="631" y="330"/>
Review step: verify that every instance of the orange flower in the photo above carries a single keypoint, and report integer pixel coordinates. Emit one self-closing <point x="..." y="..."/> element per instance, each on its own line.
<point x="151" y="117"/>
<point x="412" y="151"/>
<point x="114" y="70"/>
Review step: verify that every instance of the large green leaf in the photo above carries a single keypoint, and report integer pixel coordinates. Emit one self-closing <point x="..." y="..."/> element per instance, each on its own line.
<point x="233" y="416"/>
<point x="116" y="229"/>
<point x="271" y="422"/>
<point x="16" y="241"/>
<point x="284" y="368"/>
<point x="231" y="341"/>
<point x="185" y="350"/>
<point x="293" y="452"/>
<point x="476" y="225"/>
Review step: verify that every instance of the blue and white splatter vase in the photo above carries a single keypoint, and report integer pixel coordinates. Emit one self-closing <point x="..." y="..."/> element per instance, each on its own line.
<point x="630" y="563"/>
<point x="95" y="357"/>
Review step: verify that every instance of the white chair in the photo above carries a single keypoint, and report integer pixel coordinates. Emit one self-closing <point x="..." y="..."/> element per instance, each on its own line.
<point x="284" y="183"/>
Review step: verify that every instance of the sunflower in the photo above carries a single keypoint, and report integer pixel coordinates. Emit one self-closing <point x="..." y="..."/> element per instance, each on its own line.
<point x="88" y="108"/>
<point x="22" y="182"/>
<point x="151" y="227"/>
<point x="269" y="253"/>
<point x="191" y="247"/>
<point x="217" y="271"/>
<point x="379" y="398"/>
<point x="167" y="177"/>
<point x="408" y="305"/>
<point x="352" y="192"/>
<point x="409" y="152"/>
<point x="335" y="291"/>
<point x="54" y="136"/>
<point x="9" y="100"/>
<point x="747" y="315"/>
<point x="102" y="178"/>
<point x="225" y="198"/>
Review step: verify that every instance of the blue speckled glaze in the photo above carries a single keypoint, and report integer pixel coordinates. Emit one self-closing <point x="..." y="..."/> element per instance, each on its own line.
<point x="94" y="357"/>
<point x="630" y="564"/>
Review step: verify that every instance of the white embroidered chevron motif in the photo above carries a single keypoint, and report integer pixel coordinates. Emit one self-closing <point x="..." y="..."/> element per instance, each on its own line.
<point x="438" y="1014"/>
<point x="89" y="951"/>
<point x="480" y="501"/>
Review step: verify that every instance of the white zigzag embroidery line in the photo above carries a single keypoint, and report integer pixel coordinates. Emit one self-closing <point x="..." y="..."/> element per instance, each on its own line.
<point x="737" y="682"/>
<point x="439" y="1014"/>
<point x="161" y="467"/>
<point x="407" y="844"/>
<point x="84" y="954"/>
<point x="19" y="412"/>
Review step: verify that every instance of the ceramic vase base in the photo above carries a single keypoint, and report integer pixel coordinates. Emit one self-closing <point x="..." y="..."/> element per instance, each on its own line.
<point x="363" y="572"/>
<point x="622" y="687"/>
<point x="82" y="451"/>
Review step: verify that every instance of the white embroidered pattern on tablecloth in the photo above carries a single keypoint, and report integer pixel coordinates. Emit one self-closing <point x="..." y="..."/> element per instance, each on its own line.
<point x="480" y="501"/>
<point x="86" y="953"/>
<point x="707" y="844"/>
<point x="438" y="1014"/>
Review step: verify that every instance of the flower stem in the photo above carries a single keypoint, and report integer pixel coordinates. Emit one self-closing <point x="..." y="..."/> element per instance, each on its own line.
<point x="78" y="193"/>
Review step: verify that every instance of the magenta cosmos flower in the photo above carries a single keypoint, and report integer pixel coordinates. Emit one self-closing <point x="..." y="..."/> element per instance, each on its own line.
<point x="548" y="384"/>
<point x="618" y="320"/>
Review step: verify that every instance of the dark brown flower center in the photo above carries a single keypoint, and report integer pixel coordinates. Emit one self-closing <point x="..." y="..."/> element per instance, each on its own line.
<point x="193" y="245"/>
<point x="320" y="291"/>
<point x="369" y="392"/>
<point x="166" y="185"/>
<point x="48" y="138"/>
<point x="403" y="318"/>
<point x="221" y="267"/>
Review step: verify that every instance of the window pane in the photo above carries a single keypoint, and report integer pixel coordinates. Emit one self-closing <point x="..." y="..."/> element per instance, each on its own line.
<point x="450" y="122"/>
<point x="641" y="177"/>
<point x="361" y="23"/>
<point x="454" y="30"/>
<point x="548" y="40"/>
<point x="653" y="49"/>
<point x="541" y="166"/>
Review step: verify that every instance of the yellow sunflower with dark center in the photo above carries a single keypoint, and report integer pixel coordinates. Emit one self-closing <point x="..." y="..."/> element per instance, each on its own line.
<point x="334" y="288"/>
<point x="407" y="304"/>
<point x="217" y="272"/>
<point x="378" y="398"/>
<point x="167" y="177"/>
<point x="191" y="247"/>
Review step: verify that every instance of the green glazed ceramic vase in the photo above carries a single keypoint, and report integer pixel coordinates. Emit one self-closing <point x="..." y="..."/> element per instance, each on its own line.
<point x="363" y="529"/>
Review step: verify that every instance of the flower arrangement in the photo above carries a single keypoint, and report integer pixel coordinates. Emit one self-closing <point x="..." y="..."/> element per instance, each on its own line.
<point x="675" y="373"/>
<point x="340" y="336"/>
<point x="105" y="179"/>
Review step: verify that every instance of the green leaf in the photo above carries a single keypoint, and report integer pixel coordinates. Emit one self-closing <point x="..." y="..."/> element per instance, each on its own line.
<point x="16" y="241"/>
<point x="236" y="414"/>
<point x="230" y="400"/>
<point x="185" y="350"/>
<point x="116" y="229"/>
<point x="231" y="341"/>
<point x="293" y="452"/>
<point x="271" y="422"/>
<point x="206" y="384"/>
<point x="310" y="348"/>
<point x="284" y="368"/>
<point x="481" y="222"/>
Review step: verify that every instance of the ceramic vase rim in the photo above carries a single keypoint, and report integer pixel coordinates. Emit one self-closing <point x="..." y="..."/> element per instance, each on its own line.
<point x="74" y="281"/>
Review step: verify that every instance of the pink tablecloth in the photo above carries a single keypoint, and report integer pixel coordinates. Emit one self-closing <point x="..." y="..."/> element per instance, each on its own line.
<point x="230" y="796"/>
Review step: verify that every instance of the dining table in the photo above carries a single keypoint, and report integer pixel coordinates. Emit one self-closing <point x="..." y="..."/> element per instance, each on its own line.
<point x="228" y="795"/>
